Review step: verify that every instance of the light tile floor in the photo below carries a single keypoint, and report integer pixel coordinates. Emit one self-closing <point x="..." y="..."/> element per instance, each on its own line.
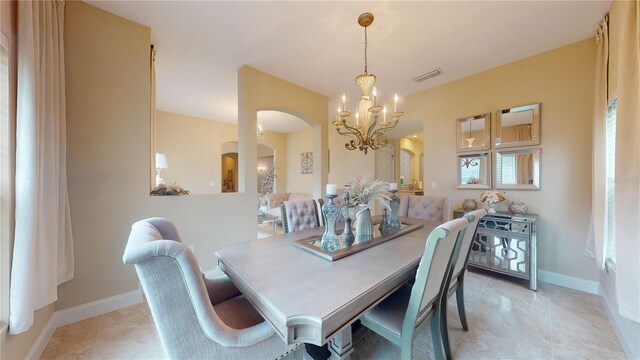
<point x="506" y="320"/>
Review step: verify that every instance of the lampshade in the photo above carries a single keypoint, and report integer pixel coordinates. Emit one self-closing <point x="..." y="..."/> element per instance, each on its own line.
<point x="161" y="161"/>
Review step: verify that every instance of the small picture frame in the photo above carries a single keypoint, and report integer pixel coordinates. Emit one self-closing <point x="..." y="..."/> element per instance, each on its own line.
<point x="306" y="162"/>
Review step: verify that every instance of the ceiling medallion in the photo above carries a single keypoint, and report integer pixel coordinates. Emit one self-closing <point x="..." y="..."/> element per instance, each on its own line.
<point x="365" y="132"/>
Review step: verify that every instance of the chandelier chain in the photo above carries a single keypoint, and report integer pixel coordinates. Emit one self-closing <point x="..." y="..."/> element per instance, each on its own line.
<point x="365" y="50"/>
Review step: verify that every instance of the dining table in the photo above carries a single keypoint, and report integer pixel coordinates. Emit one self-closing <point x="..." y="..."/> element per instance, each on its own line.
<point x="311" y="299"/>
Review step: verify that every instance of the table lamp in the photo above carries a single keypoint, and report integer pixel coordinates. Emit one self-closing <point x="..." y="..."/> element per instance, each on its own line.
<point x="161" y="163"/>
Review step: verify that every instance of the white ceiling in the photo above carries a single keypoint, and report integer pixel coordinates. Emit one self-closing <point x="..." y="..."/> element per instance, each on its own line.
<point x="319" y="45"/>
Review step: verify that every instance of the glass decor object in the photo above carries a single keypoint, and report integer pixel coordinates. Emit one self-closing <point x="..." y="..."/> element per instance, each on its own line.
<point x="469" y="204"/>
<point x="365" y="132"/>
<point x="473" y="133"/>
<point x="347" y="235"/>
<point x="384" y="227"/>
<point x="331" y="213"/>
<point x="518" y="126"/>
<point x="394" y="221"/>
<point x="364" y="224"/>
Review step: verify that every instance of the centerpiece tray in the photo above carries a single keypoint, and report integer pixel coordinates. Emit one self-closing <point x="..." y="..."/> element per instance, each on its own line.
<point x="312" y="244"/>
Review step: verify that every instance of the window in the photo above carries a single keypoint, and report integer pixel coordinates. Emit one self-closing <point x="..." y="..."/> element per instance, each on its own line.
<point x="471" y="171"/>
<point x="610" y="189"/>
<point x="506" y="168"/>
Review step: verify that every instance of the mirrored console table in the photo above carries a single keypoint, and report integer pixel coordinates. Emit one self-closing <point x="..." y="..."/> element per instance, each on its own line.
<point x="506" y="244"/>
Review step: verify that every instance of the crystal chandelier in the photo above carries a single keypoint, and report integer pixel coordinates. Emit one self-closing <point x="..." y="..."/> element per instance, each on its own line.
<point x="366" y="132"/>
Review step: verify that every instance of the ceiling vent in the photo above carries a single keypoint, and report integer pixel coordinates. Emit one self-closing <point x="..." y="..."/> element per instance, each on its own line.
<point x="429" y="75"/>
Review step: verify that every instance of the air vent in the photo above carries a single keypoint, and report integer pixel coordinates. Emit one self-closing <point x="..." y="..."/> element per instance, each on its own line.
<point x="429" y="75"/>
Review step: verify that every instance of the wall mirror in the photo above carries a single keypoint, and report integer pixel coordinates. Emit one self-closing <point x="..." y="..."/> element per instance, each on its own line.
<point x="518" y="126"/>
<point x="518" y="169"/>
<point x="474" y="171"/>
<point x="473" y="133"/>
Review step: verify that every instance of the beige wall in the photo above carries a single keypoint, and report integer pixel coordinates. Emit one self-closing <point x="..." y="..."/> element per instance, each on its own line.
<point x="298" y="142"/>
<point x="193" y="149"/>
<point x="562" y="80"/>
<point x="278" y="142"/>
<point x="108" y="135"/>
<point x="346" y="163"/>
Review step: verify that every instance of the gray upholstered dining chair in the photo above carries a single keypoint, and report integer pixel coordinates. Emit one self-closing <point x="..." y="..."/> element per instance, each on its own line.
<point x="426" y="207"/>
<point x="456" y="285"/>
<point x="299" y="215"/>
<point x="400" y="317"/>
<point x="196" y="317"/>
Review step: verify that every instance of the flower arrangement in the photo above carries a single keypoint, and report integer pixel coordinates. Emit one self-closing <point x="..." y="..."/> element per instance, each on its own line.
<point x="173" y="189"/>
<point x="492" y="197"/>
<point x="363" y="190"/>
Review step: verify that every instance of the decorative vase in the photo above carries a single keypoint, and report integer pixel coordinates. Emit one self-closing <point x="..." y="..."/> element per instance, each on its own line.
<point x="384" y="227"/>
<point x="364" y="224"/>
<point x="518" y="208"/>
<point x="329" y="238"/>
<point x="347" y="235"/>
<point x="492" y="208"/>
<point x="469" y="204"/>
<point x="394" y="221"/>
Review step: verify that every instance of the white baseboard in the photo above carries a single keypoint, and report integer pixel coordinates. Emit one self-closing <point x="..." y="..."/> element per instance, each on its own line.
<point x="98" y="307"/>
<point x="613" y="316"/>
<point x="567" y="281"/>
<point x="43" y="339"/>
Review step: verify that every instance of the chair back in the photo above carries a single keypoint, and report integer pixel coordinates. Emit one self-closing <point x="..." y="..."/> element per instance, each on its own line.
<point x="339" y="201"/>
<point x="435" y="208"/>
<point x="175" y="291"/>
<point x="434" y="271"/>
<point x="299" y="215"/>
<point x="463" y="256"/>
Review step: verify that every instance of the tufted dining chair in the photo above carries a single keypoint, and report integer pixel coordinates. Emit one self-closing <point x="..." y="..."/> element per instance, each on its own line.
<point x="299" y="215"/>
<point x="457" y="279"/>
<point x="196" y="317"/>
<point x="400" y="317"/>
<point x="426" y="207"/>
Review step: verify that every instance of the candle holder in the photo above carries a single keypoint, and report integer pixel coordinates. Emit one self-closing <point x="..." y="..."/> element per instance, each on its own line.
<point x="347" y="235"/>
<point x="330" y="211"/>
<point x="394" y="221"/>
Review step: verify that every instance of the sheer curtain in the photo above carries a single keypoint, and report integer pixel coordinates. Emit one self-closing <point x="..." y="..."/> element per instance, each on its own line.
<point x="43" y="245"/>
<point x="596" y="241"/>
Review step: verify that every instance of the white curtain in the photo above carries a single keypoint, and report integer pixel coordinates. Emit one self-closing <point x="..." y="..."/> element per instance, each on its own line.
<point x="627" y="185"/>
<point x="596" y="240"/>
<point x="43" y="245"/>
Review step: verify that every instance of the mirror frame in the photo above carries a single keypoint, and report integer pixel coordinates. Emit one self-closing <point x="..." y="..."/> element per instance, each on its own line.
<point x="536" y="171"/>
<point x="489" y="172"/>
<point x="487" y="133"/>
<point x="535" y="126"/>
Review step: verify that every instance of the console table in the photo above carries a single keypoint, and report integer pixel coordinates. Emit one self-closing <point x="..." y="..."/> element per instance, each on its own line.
<point x="506" y="244"/>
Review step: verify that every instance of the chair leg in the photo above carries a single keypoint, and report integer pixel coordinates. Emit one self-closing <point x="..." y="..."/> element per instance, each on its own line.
<point x="461" y="310"/>
<point x="444" y="333"/>
<point x="435" y="335"/>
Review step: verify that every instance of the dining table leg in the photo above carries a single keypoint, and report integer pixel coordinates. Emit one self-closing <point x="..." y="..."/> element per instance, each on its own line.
<point x="341" y="345"/>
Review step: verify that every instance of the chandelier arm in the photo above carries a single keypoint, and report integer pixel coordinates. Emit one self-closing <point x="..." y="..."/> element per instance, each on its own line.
<point x="357" y="136"/>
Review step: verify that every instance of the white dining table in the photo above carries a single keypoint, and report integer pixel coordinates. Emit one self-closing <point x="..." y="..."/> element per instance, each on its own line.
<point x="309" y="299"/>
